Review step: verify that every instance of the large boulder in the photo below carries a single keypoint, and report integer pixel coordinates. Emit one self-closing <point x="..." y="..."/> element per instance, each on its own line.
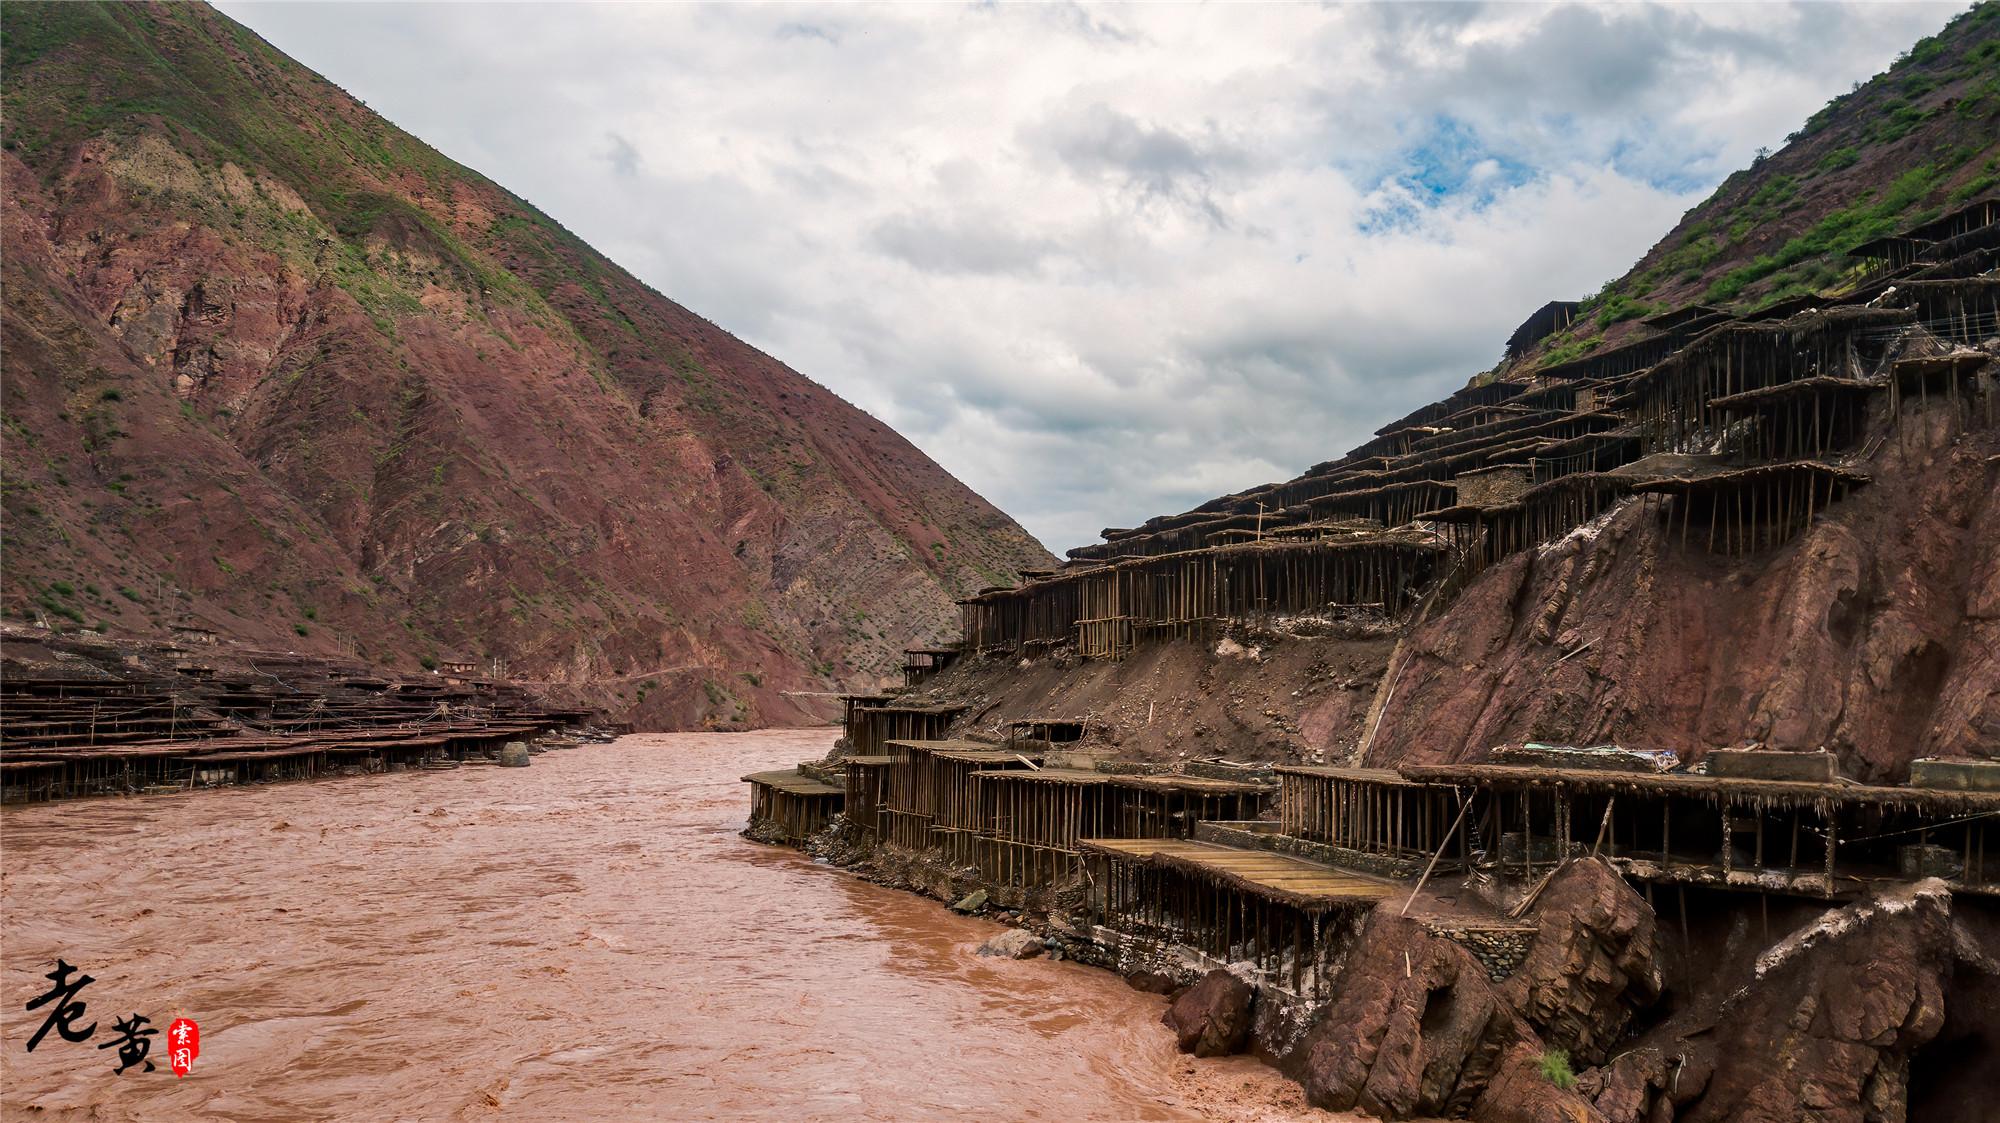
<point x="1522" y="1092"/>
<point x="514" y="755"/>
<point x="1212" y="1017"/>
<point x="1594" y="962"/>
<point x="1014" y="943"/>
<point x="1152" y="982"/>
<point x="1845" y="1020"/>
<point x="1952" y="1076"/>
<point x="1416" y="1028"/>
<point x="1625" y="1090"/>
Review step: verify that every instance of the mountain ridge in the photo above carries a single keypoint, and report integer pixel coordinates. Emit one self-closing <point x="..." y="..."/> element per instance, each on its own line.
<point x="429" y="419"/>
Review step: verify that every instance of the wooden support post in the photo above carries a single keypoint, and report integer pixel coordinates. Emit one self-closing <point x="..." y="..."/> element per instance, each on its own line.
<point x="1604" y="828"/>
<point x="1463" y="807"/>
<point x="1528" y="833"/>
<point x="1728" y="841"/>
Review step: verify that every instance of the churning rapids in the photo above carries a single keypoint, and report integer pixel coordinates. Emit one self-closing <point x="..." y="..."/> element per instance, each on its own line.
<point x="586" y="938"/>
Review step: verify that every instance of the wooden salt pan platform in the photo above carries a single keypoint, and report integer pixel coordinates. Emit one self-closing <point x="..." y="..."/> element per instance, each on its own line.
<point x="1279" y="877"/>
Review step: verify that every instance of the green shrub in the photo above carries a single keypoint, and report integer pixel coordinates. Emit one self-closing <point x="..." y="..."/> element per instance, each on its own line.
<point x="1555" y="1069"/>
<point x="1899" y="123"/>
<point x="1618" y="308"/>
<point x="1776" y="193"/>
<point x="1925" y="50"/>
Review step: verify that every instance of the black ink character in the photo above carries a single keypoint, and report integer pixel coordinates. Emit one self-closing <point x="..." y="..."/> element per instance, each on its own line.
<point x="133" y="1047"/>
<point x="68" y="1007"/>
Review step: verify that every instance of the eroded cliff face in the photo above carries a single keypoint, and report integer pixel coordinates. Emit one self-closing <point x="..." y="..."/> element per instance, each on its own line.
<point x="277" y="369"/>
<point x="1875" y="634"/>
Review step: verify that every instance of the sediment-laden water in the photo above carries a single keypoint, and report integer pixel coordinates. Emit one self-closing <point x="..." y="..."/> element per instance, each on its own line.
<point x="585" y="938"/>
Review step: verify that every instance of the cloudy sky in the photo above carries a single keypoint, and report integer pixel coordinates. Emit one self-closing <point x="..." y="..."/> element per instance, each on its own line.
<point x="1109" y="262"/>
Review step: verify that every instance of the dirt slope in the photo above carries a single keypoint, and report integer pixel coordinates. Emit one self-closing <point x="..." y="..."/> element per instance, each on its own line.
<point x="275" y="368"/>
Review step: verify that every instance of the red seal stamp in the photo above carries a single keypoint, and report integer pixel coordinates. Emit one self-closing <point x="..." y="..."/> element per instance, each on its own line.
<point x="183" y="1045"/>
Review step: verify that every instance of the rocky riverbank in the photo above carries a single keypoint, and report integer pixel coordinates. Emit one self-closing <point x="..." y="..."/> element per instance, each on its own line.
<point x="1589" y="1006"/>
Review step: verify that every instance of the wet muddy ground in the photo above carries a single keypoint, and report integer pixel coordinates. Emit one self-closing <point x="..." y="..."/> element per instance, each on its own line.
<point x="585" y="938"/>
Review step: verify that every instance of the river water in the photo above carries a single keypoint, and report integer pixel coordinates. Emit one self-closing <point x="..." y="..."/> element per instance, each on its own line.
<point x="585" y="938"/>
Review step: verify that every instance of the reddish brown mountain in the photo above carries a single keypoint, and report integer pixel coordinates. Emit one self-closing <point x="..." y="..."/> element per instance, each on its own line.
<point x="276" y="368"/>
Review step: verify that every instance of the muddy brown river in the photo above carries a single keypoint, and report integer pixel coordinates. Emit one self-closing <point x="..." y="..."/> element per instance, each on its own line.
<point x="585" y="938"/>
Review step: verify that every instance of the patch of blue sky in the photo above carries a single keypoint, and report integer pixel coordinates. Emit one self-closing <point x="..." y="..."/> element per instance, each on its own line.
<point x="1665" y="167"/>
<point x="1451" y="163"/>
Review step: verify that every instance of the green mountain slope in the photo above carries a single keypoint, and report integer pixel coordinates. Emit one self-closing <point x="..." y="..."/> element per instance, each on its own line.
<point x="1895" y="151"/>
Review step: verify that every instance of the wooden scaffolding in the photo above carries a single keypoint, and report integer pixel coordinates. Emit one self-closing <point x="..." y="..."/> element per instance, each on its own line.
<point x="867" y="783"/>
<point x="1368" y="810"/>
<point x="1033" y="819"/>
<point x="1824" y="839"/>
<point x="796" y="804"/>
<point x="1169" y="804"/>
<point x="1286" y="915"/>
<point x="871" y="727"/>
<point x="930" y="802"/>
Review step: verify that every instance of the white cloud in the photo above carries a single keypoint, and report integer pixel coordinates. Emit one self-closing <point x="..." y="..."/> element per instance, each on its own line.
<point x="1104" y="263"/>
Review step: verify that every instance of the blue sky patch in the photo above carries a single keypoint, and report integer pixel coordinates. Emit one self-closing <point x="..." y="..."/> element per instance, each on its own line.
<point x="1450" y="163"/>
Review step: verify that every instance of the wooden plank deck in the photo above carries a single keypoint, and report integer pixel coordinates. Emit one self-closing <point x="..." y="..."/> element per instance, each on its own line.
<point x="793" y="782"/>
<point x="1280" y="874"/>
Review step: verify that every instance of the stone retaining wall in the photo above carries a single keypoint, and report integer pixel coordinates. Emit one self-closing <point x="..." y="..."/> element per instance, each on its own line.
<point x="1498" y="948"/>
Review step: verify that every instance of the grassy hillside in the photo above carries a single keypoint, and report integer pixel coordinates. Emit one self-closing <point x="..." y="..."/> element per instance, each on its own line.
<point x="1896" y="150"/>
